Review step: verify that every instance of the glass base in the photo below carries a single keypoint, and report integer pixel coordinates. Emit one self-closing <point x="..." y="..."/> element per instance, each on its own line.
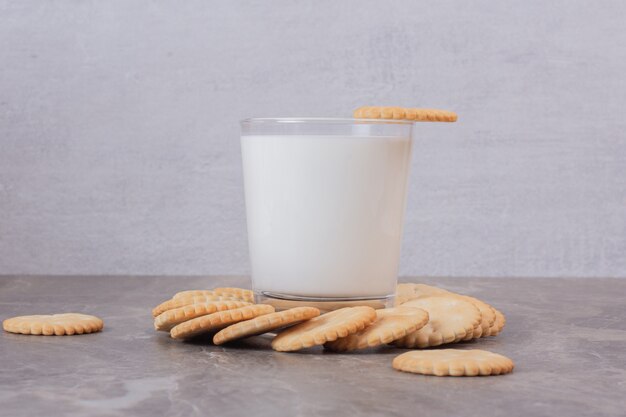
<point x="325" y="304"/>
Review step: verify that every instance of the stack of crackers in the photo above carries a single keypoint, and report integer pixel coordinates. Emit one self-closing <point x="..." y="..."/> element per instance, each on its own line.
<point x="424" y="317"/>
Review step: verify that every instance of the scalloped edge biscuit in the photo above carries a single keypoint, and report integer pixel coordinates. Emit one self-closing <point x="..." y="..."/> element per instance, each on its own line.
<point x="188" y="300"/>
<point x="265" y="323"/>
<point x="453" y="362"/>
<point x="498" y="324"/>
<point x="64" y="324"/>
<point x="325" y="328"/>
<point x="451" y="319"/>
<point x="404" y="113"/>
<point x="240" y="293"/>
<point x="218" y="321"/>
<point x="487" y="320"/>
<point x="409" y="291"/>
<point x="391" y="324"/>
<point x="170" y="318"/>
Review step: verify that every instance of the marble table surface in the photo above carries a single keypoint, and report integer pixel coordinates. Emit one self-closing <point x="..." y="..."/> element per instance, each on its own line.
<point x="566" y="336"/>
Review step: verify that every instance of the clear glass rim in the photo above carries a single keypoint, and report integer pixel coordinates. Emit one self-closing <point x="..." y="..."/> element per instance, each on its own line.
<point x="321" y="120"/>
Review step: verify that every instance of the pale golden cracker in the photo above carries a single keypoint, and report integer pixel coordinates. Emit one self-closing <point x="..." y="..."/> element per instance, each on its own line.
<point x="499" y="323"/>
<point x="218" y="320"/>
<point x="391" y="324"/>
<point x="65" y="324"/>
<point x="324" y="328"/>
<point x="188" y="300"/>
<point x="243" y="293"/>
<point x="240" y="293"/>
<point x="451" y="319"/>
<point x="453" y="362"/>
<point x="170" y="318"/>
<point x="265" y="323"/>
<point x="409" y="291"/>
<point x="487" y="314"/>
<point x="402" y="113"/>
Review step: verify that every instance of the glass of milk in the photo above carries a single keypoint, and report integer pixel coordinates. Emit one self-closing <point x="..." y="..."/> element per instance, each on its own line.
<point x="325" y="202"/>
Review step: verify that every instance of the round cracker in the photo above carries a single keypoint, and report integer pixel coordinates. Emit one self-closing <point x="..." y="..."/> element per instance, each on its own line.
<point x="191" y="299"/>
<point x="453" y="362"/>
<point x="487" y="317"/>
<point x="65" y="324"/>
<point x="498" y="324"/>
<point x="324" y="328"/>
<point x="451" y="319"/>
<point x="239" y="293"/>
<point x="265" y="323"/>
<point x="404" y="113"/>
<point x="218" y="320"/>
<point x="409" y="291"/>
<point x="391" y="324"/>
<point x="170" y="318"/>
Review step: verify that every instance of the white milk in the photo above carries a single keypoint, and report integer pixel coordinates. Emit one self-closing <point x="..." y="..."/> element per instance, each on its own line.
<point x="325" y="213"/>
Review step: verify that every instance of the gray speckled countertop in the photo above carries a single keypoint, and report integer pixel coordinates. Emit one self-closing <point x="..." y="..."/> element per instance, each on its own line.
<point x="567" y="337"/>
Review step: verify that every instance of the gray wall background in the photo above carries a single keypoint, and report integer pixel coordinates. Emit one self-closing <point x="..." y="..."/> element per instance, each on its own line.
<point x="119" y="146"/>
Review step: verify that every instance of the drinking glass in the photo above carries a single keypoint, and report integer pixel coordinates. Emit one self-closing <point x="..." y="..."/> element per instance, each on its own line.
<point x="325" y="202"/>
